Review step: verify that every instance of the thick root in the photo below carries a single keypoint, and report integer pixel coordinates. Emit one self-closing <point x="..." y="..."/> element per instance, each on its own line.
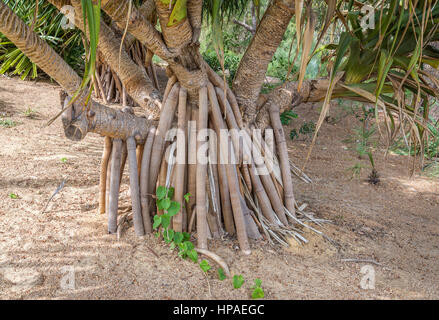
<point x="134" y="187"/>
<point x="114" y="186"/>
<point x="103" y="176"/>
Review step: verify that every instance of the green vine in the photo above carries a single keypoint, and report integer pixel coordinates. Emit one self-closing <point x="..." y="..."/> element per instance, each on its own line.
<point x="181" y="240"/>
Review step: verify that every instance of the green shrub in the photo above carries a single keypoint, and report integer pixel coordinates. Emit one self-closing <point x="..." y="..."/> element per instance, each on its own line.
<point x="67" y="43"/>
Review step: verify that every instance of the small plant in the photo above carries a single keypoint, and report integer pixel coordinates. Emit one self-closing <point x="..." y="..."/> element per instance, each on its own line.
<point x="180" y="240"/>
<point x="8" y="123"/>
<point x="294" y="134"/>
<point x="13" y="196"/>
<point x="308" y="128"/>
<point x="238" y="281"/>
<point x="30" y="113"/>
<point x="364" y="144"/>
<point x="258" y="292"/>
<point x="431" y="149"/>
<point x="64" y="160"/>
<point x="205" y="266"/>
<point x="221" y="274"/>
<point x="374" y="177"/>
<point x="287" y="116"/>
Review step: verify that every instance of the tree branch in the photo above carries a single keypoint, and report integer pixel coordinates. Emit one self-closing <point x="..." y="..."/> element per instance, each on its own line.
<point x="245" y="26"/>
<point x="103" y="120"/>
<point x="134" y="78"/>
<point x="138" y="26"/>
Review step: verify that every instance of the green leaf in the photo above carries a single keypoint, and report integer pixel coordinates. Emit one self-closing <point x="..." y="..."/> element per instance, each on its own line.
<point x="174" y="208"/>
<point x="258" y="282"/>
<point x="13" y="196"/>
<point x="160" y="193"/>
<point x="293" y="134"/>
<point x="157" y="221"/>
<point x="385" y="63"/>
<point x="179" y="13"/>
<point x="189" y="245"/>
<point x="221" y="274"/>
<point x="187" y="197"/>
<point x="345" y="40"/>
<point x="178" y="237"/>
<point x="163" y="204"/>
<point x="170" y="193"/>
<point x="166" y="220"/>
<point x="183" y="248"/>
<point x="193" y="255"/>
<point x="287" y="116"/>
<point x="258" y="293"/>
<point x="186" y="236"/>
<point x="205" y="266"/>
<point x="238" y="281"/>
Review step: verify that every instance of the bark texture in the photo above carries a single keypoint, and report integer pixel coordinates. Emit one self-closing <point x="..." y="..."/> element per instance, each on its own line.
<point x="105" y="121"/>
<point x="138" y="26"/>
<point x="253" y="66"/>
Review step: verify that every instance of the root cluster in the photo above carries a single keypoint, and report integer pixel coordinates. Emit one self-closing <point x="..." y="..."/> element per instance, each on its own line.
<point x="229" y="193"/>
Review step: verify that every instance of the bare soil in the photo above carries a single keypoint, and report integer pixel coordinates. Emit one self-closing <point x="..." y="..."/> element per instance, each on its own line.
<point x="394" y="224"/>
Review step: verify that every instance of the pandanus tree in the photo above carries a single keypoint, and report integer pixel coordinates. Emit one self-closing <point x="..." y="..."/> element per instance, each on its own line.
<point x="238" y="175"/>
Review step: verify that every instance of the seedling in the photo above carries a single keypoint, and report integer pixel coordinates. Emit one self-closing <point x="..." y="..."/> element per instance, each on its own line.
<point x="293" y="134"/>
<point x="13" y="196"/>
<point x="307" y="128"/>
<point x="7" y="123"/>
<point x="258" y="292"/>
<point x="205" y="266"/>
<point x="238" y="281"/>
<point x="221" y="274"/>
<point x="30" y="113"/>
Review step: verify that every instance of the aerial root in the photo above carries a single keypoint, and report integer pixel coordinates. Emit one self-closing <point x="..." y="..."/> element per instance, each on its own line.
<point x="226" y="197"/>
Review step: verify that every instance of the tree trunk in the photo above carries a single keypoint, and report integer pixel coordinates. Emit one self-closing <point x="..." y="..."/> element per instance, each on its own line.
<point x="253" y="65"/>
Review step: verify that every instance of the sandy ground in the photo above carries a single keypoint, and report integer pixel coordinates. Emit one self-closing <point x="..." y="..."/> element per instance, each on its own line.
<point x="65" y="252"/>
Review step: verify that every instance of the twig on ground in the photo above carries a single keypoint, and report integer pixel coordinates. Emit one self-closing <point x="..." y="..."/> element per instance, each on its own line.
<point x="362" y="260"/>
<point x="54" y="194"/>
<point x="153" y="252"/>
